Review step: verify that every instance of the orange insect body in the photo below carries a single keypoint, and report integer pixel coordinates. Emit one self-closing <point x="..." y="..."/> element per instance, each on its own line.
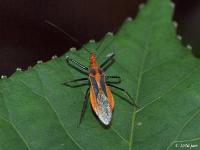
<point x="100" y="94"/>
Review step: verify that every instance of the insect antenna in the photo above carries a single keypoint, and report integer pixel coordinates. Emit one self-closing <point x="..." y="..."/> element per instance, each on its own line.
<point x="66" y="34"/>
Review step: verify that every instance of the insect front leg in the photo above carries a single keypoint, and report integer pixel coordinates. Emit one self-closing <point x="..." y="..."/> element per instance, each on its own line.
<point x="78" y="82"/>
<point x="113" y="79"/>
<point x="77" y="65"/>
<point x="84" y="105"/>
<point x="109" y="59"/>
<point x="126" y="93"/>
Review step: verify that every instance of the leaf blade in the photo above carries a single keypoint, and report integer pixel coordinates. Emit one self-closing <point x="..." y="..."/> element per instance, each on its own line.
<point x="157" y="70"/>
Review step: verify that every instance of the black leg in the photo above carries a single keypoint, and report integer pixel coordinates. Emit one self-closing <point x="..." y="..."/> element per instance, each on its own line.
<point x="70" y="83"/>
<point x="77" y="65"/>
<point x="127" y="94"/>
<point x="113" y="79"/>
<point x="84" y="105"/>
<point x="109" y="59"/>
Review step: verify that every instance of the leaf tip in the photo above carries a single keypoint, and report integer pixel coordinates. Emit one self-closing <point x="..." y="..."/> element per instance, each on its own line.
<point x="29" y="67"/>
<point x="175" y="24"/>
<point x="129" y="19"/>
<point x="18" y="69"/>
<point x="189" y="47"/>
<point x="39" y="62"/>
<point x="179" y="37"/>
<point x="141" y="5"/>
<point x="92" y="41"/>
<point x="3" y="76"/>
<point x="73" y="49"/>
<point x="172" y="4"/>
<point x="54" y="57"/>
<point x="109" y="34"/>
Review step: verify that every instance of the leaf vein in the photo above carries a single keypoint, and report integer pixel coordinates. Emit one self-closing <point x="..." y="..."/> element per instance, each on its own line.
<point x="184" y="125"/>
<point x="47" y="100"/>
<point x="188" y="140"/>
<point x="127" y="142"/>
<point x="137" y="95"/>
<point x="14" y="127"/>
<point x="168" y="91"/>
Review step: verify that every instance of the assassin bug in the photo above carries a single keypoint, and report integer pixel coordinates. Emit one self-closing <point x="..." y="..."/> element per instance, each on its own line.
<point x="99" y="89"/>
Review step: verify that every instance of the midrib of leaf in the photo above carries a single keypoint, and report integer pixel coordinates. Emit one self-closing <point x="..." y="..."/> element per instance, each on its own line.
<point x="146" y="51"/>
<point x="168" y="91"/>
<point x="153" y="101"/>
<point x="142" y="71"/>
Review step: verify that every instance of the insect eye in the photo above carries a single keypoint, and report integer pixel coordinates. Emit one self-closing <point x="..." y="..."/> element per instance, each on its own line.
<point x="93" y="72"/>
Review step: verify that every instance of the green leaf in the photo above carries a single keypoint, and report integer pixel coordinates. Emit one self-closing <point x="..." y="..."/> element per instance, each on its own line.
<point x="38" y="113"/>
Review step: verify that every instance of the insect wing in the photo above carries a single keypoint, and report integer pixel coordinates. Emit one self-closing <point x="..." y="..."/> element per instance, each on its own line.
<point x="99" y="101"/>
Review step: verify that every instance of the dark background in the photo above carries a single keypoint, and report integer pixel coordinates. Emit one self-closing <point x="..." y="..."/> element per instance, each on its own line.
<point x="25" y="38"/>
